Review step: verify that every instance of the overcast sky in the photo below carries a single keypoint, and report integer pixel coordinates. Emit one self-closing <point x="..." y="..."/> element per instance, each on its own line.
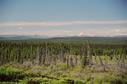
<point x="63" y="17"/>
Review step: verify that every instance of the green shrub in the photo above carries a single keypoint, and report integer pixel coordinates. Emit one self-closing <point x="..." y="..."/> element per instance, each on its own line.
<point x="9" y="73"/>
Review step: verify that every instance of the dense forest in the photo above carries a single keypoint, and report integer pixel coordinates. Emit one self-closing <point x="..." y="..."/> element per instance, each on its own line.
<point x="63" y="61"/>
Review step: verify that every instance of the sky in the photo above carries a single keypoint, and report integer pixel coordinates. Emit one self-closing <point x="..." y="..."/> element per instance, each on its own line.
<point x="63" y="17"/>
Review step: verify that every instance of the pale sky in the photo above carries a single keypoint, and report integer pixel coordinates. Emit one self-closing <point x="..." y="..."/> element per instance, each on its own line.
<point x="63" y="17"/>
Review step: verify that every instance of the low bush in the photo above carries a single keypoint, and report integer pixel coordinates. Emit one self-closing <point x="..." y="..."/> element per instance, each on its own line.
<point x="9" y="73"/>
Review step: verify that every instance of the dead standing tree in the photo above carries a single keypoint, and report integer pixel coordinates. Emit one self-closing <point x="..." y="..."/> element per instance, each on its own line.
<point x="87" y="57"/>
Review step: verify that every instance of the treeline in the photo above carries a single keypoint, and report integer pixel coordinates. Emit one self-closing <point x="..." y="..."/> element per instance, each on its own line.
<point x="50" y="53"/>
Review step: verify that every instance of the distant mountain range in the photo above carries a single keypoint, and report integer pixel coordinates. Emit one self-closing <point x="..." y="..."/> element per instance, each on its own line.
<point x="21" y="37"/>
<point x="30" y="37"/>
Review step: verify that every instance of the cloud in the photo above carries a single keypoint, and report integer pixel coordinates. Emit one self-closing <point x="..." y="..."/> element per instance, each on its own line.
<point x="65" y="28"/>
<point x="66" y="32"/>
<point x="56" y="32"/>
<point x="20" y="28"/>
<point x="81" y="34"/>
<point x="117" y="30"/>
<point x="64" y="23"/>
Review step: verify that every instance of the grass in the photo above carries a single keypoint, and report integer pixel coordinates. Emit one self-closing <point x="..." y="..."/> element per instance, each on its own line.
<point x="75" y="75"/>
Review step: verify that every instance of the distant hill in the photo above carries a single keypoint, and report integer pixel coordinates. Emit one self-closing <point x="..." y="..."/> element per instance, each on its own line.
<point x="21" y="37"/>
<point x="115" y="39"/>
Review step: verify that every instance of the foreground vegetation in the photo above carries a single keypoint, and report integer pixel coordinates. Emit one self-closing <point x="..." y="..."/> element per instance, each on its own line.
<point x="62" y="62"/>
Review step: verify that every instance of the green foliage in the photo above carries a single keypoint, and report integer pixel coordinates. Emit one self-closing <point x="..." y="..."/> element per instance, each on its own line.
<point x="9" y="73"/>
<point x="62" y="62"/>
<point x="115" y="79"/>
